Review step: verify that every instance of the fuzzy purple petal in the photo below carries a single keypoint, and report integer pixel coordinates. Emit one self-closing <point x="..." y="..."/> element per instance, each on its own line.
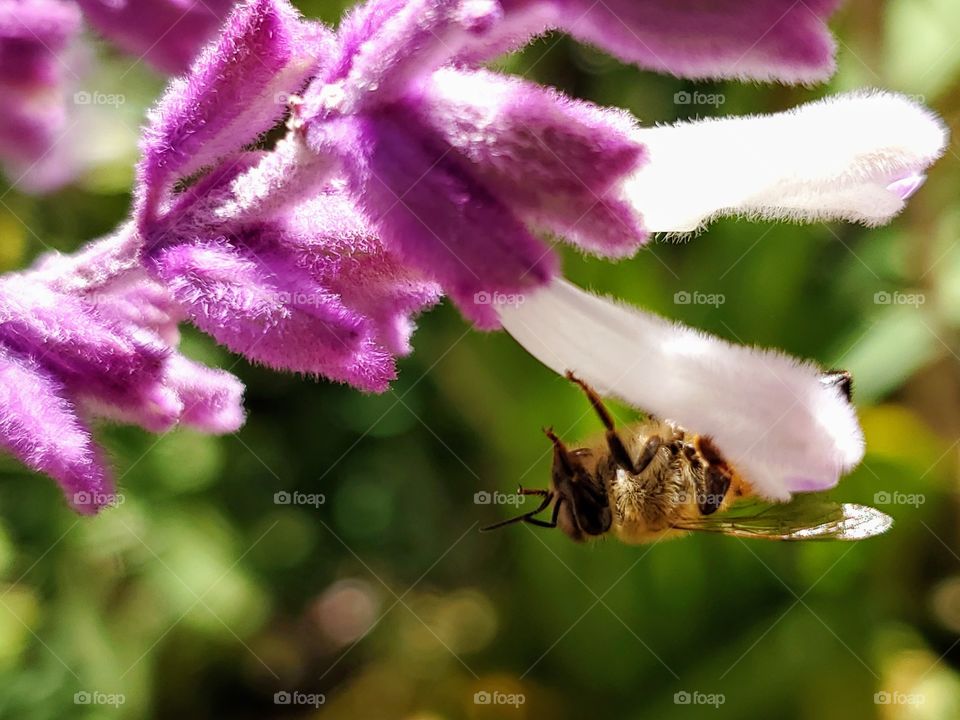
<point x="432" y="211"/>
<point x="32" y="34"/>
<point x="780" y="40"/>
<point x="553" y="159"/>
<point x="212" y="399"/>
<point x="30" y="124"/>
<point x="141" y="303"/>
<point x="64" y="335"/>
<point x="41" y="428"/>
<point x="165" y="33"/>
<point x="258" y="303"/>
<point x="333" y="241"/>
<point x="236" y="90"/>
<point x="387" y="45"/>
<point x="180" y="391"/>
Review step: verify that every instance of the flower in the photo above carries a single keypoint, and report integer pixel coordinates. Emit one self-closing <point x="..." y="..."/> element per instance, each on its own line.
<point x="856" y="156"/>
<point x="313" y="292"/>
<point x="311" y="289"/>
<point x="444" y="171"/>
<point x="35" y="36"/>
<point x="165" y="33"/>
<point x="457" y="167"/>
<point x="409" y="171"/>
<point x="71" y="348"/>
<point x="42" y="58"/>
<point x="778" y="40"/>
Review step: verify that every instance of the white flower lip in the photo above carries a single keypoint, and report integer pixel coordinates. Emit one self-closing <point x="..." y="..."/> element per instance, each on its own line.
<point x="855" y="157"/>
<point x="771" y="415"/>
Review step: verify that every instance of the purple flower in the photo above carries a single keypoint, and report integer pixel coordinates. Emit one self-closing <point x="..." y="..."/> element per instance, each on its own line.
<point x="71" y="348"/>
<point x="312" y="291"/>
<point x="166" y="33"/>
<point x="34" y="38"/>
<point x="457" y="168"/>
<point x="42" y="62"/>
<point x="779" y="40"/>
<point x="408" y="171"/>
<point x="236" y="90"/>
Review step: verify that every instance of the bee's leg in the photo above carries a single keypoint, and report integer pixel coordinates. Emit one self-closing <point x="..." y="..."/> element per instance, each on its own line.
<point x="563" y="460"/>
<point x="617" y="448"/>
<point x="648" y="453"/>
<point x="716" y="478"/>
<point x="527" y="491"/>
<point x="716" y="483"/>
<point x="553" y="520"/>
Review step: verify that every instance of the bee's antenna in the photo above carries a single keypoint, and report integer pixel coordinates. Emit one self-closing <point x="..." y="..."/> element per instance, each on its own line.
<point x="526" y="517"/>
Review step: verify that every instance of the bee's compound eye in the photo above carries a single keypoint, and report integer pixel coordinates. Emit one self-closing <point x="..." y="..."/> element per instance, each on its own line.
<point x="840" y="379"/>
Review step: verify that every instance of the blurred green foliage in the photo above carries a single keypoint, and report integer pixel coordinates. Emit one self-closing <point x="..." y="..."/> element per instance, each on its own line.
<point x="200" y="596"/>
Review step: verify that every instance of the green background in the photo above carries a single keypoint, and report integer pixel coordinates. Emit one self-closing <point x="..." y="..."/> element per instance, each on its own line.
<point x="200" y="597"/>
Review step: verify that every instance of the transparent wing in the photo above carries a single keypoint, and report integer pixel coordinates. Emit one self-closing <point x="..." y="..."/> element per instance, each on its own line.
<point x="802" y="519"/>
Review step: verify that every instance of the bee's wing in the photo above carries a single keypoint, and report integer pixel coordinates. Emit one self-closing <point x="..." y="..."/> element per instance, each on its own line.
<point x="802" y="519"/>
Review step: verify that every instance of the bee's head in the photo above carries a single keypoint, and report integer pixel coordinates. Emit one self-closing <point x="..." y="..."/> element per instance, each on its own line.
<point x="582" y="508"/>
<point x="578" y="498"/>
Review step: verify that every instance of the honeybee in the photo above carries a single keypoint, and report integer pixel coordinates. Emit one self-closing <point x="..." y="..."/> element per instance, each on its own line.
<point x="659" y="480"/>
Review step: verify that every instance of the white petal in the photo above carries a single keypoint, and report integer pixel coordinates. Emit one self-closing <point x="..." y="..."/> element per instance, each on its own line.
<point x="836" y="158"/>
<point x="771" y="415"/>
